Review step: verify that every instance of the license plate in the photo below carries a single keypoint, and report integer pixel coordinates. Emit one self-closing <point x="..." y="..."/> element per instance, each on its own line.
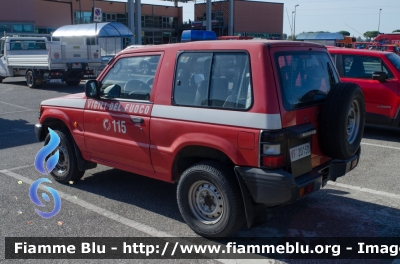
<point x="55" y="81"/>
<point x="300" y="152"/>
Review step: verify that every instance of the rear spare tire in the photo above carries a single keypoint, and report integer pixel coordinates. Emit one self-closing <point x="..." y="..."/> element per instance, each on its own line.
<point x="342" y="121"/>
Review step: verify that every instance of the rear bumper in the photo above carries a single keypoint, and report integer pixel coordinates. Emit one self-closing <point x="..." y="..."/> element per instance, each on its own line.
<point x="279" y="187"/>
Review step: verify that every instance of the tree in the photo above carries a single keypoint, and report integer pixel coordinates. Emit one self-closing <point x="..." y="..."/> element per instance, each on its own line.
<point x="284" y="36"/>
<point x="371" y="34"/>
<point x="344" y="33"/>
<point x="397" y="30"/>
<point x="322" y="32"/>
<point x="359" y="39"/>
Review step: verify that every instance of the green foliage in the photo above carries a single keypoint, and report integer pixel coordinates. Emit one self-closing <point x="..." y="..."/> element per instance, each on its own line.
<point x="284" y="36"/>
<point x="344" y="33"/>
<point x="371" y="34"/>
<point x="397" y="30"/>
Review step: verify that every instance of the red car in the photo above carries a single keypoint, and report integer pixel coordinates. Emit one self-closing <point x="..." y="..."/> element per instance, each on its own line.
<point x="239" y="125"/>
<point x="378" y="75"/>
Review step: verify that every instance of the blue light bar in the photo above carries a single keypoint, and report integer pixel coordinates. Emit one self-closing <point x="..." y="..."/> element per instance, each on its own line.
<point x="196" y="35"/>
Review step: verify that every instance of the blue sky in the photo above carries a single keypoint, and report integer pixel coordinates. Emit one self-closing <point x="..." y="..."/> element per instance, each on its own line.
<point x="355" y="16"/>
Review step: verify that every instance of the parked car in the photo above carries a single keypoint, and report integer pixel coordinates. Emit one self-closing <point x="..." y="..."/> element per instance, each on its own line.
<point x="275" y="127"/>
<point x="390" y="48"/>
<point x="378" y="75"/>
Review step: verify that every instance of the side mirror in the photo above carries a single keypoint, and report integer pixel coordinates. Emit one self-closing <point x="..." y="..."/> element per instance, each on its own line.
<point x="92" y="89"/>
<point x="378" y="75"/>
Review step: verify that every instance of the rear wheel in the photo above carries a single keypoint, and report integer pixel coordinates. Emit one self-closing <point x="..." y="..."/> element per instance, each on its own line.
<point x="31" y="80"/>
<point x="67" y="166"/>
<point x="342" y="121"/>
<point x="210" y="200"/>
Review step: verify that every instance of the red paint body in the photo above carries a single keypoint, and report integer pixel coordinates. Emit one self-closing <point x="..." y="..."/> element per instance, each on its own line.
<point x="151" y="147"/>
<point x="382" y="98"/>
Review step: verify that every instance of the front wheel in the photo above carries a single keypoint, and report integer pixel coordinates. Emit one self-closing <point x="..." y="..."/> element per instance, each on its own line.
<point x="66" y="169"/>
<point x="210" y="201"/>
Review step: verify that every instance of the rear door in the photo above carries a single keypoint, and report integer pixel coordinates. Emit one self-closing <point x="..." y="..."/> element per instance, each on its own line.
<point x="304" y="78"/>
<point x="117" y="125"/>
<point x="380" y="97"/>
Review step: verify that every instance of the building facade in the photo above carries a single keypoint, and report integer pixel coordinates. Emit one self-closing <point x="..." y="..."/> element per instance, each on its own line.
<point x="160" y="24"/>
<point x="250" y="18"/>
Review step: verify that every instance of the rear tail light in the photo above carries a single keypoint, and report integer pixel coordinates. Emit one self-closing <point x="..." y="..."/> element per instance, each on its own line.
<point x="272" y="149"/>
<point x="306" y="190"/>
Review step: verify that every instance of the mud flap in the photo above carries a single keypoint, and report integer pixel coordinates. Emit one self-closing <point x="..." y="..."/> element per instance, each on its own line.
<point x="256" y="214"/>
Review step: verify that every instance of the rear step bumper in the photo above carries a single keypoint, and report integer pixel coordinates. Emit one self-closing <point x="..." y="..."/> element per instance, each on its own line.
<point x="279" y="187"/>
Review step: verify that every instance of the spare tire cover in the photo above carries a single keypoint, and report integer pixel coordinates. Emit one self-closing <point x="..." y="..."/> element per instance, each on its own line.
<point x="342" y="121"/>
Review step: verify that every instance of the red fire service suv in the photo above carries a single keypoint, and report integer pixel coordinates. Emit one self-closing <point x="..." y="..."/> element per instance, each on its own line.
<point x="378" y="75"/>
<point x="239" y="125"/>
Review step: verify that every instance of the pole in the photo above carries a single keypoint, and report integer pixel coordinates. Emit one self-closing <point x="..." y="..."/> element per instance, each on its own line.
<point x="230" y="29"/>
<point x="208" y="15"/>
<point x="294" y="23"/>
<point x="80" y="13"/>
<point x="131" y="21"/>
<point x="138" y="22"/>
<point x="379" y="21"/>
<point x="95" y="28"/>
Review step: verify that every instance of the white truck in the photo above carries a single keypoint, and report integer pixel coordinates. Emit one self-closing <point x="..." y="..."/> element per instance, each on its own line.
<point x="43" y="61"/>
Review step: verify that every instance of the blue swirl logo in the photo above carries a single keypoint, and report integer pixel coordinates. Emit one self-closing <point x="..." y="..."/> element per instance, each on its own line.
<point x="35" y="199"/>
<point x="51" y="162"/>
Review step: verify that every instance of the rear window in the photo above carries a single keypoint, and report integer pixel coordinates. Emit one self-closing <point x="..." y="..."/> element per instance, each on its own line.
<point x="27" y="45"/>
<point x="305" y="77"/>
<point x="394" y="59"/>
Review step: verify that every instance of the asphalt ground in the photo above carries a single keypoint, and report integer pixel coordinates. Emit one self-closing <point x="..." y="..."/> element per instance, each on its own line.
<point x="111" y="203"/>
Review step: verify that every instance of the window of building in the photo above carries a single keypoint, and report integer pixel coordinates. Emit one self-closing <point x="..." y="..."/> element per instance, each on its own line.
<point x="5" y="27"/>
<point x="148" y="21"/>
<point x="23" y="28"/>
<point x="45" y="30"/>
<point x="214" y="80"/>
<point x="86" y="17"/>
<point x="131" y="78"/>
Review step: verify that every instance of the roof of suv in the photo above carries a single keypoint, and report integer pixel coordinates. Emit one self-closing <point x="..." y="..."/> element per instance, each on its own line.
<point x="357" y="51"/>
<point x="230" y="44"/>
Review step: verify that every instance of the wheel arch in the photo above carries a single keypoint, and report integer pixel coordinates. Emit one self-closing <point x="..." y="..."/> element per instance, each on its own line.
<point x="190" y="155"/>
<point x="53" y="123"/>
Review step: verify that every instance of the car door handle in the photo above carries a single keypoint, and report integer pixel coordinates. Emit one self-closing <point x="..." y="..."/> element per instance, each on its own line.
<point x="137" y="120"/>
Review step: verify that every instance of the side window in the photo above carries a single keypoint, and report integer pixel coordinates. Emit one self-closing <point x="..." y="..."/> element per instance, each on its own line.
<point x="130" y="78"/>
<point x="192" y="70"/>
<point x="215" y="80"/>
<point x="363" y="67"/>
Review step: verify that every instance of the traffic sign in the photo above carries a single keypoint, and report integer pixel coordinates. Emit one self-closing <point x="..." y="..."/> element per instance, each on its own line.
<point x="96" y="14"/>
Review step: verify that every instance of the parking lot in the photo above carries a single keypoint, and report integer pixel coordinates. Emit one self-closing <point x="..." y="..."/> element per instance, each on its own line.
<point x="113" y="203"/>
